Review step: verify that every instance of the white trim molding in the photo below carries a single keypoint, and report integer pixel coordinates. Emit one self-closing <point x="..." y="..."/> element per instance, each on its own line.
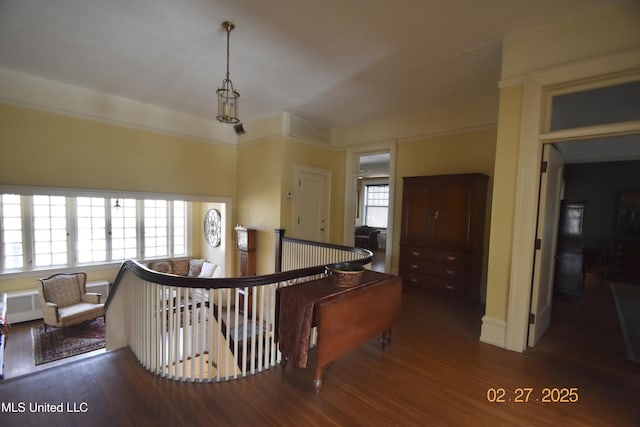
<point x="493" y="331"/>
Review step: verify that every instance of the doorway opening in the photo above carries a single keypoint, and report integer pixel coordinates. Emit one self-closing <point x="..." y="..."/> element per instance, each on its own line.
<point x="369" y="204"/>
<point x="590" y="231"/>
<point x="591" y="154"/>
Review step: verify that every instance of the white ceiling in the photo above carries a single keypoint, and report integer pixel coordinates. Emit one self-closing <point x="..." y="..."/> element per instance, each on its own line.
<point x="334" y="62"/>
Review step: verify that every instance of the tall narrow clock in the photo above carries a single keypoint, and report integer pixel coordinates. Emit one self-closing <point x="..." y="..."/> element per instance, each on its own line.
<point x="246" y="244"/>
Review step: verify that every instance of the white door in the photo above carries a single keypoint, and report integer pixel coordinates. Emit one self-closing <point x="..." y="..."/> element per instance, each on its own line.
<point x="547" y="235"/>
<point x="311" y="210"/>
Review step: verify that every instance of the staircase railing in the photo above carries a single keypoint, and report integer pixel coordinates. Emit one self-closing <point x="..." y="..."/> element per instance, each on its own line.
<point x="197" y="329"/>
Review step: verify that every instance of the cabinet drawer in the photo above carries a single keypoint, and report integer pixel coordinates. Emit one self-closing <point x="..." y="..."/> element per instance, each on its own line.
<point x="415" y="252"/>
<point x="434" y="283"/>
<point x="450" y="286"/>
<point x="452" y="257"/>
<point x="414" y="280"/>
<point x="447" y="271"/>
<point x="414" y="266"/>
<point x="450" y="271"/>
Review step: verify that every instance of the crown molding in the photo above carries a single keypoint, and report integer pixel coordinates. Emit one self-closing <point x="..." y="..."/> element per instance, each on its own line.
<point x="61" y="98"/>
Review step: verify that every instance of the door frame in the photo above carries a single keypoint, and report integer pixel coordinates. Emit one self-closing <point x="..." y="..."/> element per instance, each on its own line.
<point x="298" y="169"/>
<point x="537" y="88"/>
<point x="351" y="185"/>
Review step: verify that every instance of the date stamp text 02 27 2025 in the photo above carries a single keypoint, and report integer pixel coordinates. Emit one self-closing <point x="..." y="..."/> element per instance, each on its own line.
<point x="529" y="394"/>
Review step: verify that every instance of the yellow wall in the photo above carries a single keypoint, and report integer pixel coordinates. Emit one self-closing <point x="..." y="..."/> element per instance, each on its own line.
<point x="51" y="150"/>
<point x="259" y="178"/>
<point x="585" y="36"/>
<point x="504" y="190"/>
<point x="265" y="175"/>
<point x="468" y="152"/>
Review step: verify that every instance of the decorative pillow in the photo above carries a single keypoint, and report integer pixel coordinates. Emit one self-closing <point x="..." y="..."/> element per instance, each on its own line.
<point x="195" y="266"/>
<point x="218" y="273"/>
<point x="180" y="267"/>
<point x="207" y="270"/>
<point x="161" y="266"/>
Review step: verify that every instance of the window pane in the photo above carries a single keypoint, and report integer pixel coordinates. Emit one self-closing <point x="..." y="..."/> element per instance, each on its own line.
<point x="91" y="222"/>
<point x="374" y="162"/>
<point x="50" y="230"/>
<point x="600" y="106"/>
<point x="155" y="228"/>
<point x="124" y="223"/>
<point x="179" y="227"/>
<point x="11" y="223"/>
<point x="377" y="217"/>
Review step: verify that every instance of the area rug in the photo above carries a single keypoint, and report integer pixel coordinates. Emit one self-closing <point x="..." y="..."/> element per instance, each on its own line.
<point x="56" y="344"/>
<point x="627" y="297"/>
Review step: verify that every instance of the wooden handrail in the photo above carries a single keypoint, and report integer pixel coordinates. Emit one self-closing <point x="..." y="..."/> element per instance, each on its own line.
<point x="148" y="275"/>
<point x="205" y="329"/>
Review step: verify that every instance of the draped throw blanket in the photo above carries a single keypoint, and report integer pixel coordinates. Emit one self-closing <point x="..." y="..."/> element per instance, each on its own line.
<point x="295" y="314"/>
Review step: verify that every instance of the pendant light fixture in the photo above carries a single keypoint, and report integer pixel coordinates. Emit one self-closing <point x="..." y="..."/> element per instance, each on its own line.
<point x="227" y="95"/>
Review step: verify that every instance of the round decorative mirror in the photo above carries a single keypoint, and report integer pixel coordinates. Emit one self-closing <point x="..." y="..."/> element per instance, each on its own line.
<point x="213" y="227"/>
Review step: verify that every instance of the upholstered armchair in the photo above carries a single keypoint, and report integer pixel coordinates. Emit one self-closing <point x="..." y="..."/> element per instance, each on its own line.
<point x="367" y="237"/>
<point x="65" y="300"/>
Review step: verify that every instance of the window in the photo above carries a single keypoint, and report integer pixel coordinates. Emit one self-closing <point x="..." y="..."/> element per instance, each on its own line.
<point x="596" y="106"/>
<point x="91" y="238"/>
<point x="179" y="228"/>
<point x="49" y="231"/>
<point x="155" y="228"/>
<point x="124" y="229"/>
<point x="376" y="205"/>
<point x="46" y="231"/>
<point x="11" y="222"/>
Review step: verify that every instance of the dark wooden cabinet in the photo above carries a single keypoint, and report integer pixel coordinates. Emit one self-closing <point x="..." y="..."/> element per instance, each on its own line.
<point x="442" y="233"/>
<point x="625" y="261"/>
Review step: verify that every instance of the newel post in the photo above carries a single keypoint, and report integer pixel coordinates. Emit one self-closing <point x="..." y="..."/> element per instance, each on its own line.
<point x="279" y="235"/>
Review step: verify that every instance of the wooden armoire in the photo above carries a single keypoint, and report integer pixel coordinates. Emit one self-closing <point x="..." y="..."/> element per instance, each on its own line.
<point x="442" y="234"/>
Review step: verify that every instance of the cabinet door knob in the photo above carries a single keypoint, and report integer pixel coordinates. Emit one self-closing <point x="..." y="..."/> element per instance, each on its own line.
<point x="450" y="272"/>
<point x="450" y="287"/>
<point x="415" y="253"/>
<point x="414" y="266"/>
<point x="451" y="257"/>
<point x="413" y="280"/>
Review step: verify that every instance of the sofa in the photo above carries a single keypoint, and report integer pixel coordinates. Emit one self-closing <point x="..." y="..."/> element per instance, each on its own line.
<point x="186" y="267"/>
<point x="367" y="237"/>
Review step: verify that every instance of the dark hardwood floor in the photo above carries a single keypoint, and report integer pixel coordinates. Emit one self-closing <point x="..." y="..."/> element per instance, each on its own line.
<point x="436" y="372"/>
<point x="377" y="264"/>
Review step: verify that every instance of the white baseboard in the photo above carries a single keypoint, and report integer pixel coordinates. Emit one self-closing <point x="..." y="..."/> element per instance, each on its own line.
<point x="494" y="331"/>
